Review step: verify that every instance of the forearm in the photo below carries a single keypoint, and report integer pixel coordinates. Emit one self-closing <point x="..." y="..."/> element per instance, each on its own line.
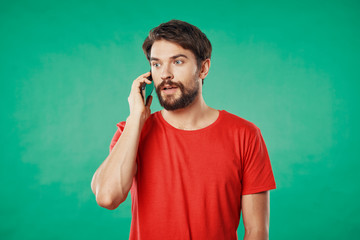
<point x="256" y="234"/>
<point x="113" y="179"/>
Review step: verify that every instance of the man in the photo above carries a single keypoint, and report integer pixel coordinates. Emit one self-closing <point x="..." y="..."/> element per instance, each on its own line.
<point x="191" y="169"/>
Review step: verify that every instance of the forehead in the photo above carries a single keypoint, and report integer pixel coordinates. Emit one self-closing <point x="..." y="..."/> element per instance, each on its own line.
<point x="164" y="49"/>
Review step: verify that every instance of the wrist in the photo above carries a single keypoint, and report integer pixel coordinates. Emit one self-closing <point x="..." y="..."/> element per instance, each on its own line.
<point x="137" y="119"/>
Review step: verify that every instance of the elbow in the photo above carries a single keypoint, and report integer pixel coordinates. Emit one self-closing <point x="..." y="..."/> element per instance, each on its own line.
<point x="257" y="233"/>
<point x="104" y="200"/>
<point x="108" y="202"/>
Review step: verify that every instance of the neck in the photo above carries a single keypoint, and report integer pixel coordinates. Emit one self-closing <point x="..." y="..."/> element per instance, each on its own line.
<point x="193" y="117"/>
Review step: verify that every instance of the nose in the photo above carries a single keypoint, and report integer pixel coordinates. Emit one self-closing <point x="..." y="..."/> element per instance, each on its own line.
<point x="166" y="73"/>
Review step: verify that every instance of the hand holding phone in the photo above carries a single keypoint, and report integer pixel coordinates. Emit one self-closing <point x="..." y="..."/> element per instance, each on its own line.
<point x="136" y="98"/>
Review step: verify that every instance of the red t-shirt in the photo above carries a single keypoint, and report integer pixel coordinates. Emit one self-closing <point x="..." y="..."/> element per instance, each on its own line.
<point x="189" y="182"/>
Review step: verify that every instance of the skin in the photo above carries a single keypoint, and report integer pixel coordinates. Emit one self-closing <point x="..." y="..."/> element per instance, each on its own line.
<point x="181" y="69"/>
<point x="112" y="188"/>
<point x="256" y="215"/>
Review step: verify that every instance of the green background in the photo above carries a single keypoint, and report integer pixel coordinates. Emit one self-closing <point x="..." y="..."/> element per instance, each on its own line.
<point x="66" y="68"/>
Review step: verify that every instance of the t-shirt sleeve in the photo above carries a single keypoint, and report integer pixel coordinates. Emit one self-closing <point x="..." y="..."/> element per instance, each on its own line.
<point x="120" y="129"/>
<point x="257" y="171"/>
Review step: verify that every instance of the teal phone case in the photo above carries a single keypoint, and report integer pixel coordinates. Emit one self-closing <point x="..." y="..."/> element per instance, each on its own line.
<point x="148" y="90"/>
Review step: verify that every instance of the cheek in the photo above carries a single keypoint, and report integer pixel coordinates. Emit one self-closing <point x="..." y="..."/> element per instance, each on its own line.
<point x="195" y="70"/>
<point x="156" y="79"/>
<point x="156" y="84"/>
<point x="186" y="72"/>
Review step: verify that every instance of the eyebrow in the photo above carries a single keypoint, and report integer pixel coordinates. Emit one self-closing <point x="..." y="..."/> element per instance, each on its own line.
<point x="173" y="57"/>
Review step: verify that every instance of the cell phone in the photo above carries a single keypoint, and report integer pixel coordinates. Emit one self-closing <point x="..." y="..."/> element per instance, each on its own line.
<point x="147" y="89"/>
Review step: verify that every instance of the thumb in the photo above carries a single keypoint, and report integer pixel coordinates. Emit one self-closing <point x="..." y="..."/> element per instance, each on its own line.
<point x="150" y="101"/>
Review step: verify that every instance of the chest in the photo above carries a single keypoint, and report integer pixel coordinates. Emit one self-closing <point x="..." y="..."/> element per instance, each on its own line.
<point x="197" y="161"/>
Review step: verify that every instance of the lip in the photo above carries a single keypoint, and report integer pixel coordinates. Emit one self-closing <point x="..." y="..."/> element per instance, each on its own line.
<point x="168" y="86"/>
<point x="169" y="91"/>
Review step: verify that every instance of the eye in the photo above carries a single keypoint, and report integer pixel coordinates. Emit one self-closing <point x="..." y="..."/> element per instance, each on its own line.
<point x="178" y="62"/>
<point x="156" y="64"/>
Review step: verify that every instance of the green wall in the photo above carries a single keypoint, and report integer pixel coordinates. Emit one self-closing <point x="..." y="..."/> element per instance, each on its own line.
<point x="66" y="68"/>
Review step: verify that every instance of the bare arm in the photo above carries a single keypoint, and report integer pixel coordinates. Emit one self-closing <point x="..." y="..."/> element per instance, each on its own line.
<point x="256" y="214"/>
<point x="112" y="181"/>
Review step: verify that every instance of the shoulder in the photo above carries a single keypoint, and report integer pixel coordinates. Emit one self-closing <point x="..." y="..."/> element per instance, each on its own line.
<point x="236" y="122"/>
<point x="152" y="119"/>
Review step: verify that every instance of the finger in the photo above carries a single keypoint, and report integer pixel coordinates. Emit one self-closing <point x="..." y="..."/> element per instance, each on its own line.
<point x="145" y="74"/>
<point x="150" y="101"/>
<point x="137" y="85"/>
<point x="141" y="79"/>
<point x="148" y="81"/>
<point x="144" y="79"/>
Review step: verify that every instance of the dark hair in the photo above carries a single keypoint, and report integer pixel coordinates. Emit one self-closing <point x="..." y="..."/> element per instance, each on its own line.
<point x="186" y="35"/>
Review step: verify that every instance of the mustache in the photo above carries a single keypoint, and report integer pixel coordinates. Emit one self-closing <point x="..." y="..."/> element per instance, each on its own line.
<point x="169" y="82"/>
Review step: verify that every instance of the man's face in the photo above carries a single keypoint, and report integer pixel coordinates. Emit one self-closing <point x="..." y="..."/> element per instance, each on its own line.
<point x="175" y="74"/>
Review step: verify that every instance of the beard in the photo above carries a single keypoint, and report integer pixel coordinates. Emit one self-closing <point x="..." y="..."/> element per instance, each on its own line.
<point x="169" y="102"/>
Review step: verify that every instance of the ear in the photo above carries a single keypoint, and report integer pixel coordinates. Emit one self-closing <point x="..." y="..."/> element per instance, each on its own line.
<point x="205" y="66"/>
